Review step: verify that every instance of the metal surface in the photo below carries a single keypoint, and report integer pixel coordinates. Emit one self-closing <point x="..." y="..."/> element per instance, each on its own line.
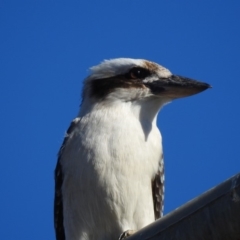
<point x="214" y="215"/>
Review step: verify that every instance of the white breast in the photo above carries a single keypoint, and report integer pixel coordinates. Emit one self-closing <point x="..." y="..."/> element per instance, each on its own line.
<point x="110" y="158"/>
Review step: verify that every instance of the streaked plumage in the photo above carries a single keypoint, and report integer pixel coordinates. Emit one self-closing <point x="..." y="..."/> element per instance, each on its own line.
<point x="109" y="176"/>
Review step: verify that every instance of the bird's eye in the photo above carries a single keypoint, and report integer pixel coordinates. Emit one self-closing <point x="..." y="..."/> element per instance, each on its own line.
<point x="138" y="72"/>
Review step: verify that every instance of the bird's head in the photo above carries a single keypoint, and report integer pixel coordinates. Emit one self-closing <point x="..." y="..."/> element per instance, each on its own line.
<point x="125" y="79"/>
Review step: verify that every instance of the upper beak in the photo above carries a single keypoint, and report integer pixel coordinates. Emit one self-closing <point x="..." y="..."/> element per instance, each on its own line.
<point x="176" y="87"/>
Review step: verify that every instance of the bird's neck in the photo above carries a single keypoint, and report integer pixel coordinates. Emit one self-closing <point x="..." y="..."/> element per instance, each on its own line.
<point x="141" y="111"/>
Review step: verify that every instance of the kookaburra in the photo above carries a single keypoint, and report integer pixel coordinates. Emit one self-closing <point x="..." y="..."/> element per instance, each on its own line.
<point x="109" y="176"/>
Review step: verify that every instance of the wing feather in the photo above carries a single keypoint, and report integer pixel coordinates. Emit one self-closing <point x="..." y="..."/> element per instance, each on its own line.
<point x="59" y="177"/>
<point x="158" y="190"/>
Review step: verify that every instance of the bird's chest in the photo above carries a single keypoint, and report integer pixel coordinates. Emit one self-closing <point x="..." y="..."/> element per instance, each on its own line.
<point x="125" y="149"/>
<point x="128" y="163"/>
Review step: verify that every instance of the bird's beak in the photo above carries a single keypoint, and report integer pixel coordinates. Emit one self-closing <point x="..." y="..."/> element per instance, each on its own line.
<point x="176" y="87"/>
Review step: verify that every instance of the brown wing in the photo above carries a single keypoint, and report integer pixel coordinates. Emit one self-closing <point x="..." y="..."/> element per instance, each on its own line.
<point x="59" y="177"/>
<point x="158" y="190"/>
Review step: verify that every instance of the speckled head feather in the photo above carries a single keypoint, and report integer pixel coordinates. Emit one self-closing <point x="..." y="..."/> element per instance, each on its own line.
<point x="119" y="66"/>
<point x="123" y="73"/>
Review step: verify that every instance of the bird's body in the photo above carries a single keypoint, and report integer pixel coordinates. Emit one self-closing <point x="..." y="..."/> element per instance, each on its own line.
<point x="109" y="175"/>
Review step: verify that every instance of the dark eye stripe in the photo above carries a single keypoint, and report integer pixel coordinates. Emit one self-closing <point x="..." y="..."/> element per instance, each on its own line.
<point x="138" y="72"/>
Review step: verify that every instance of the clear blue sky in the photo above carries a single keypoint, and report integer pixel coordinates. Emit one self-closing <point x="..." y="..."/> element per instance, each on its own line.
<point x="46" y="49"/>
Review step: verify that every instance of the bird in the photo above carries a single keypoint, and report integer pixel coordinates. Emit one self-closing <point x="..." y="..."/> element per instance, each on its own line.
<point x="109" y="176"/>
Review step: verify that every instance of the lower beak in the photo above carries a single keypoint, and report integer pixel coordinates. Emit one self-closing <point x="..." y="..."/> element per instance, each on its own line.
<point x="176" y="87"/>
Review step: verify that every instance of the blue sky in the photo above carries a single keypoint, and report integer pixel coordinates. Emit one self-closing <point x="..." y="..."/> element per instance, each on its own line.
<point x="46" y="49"/>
